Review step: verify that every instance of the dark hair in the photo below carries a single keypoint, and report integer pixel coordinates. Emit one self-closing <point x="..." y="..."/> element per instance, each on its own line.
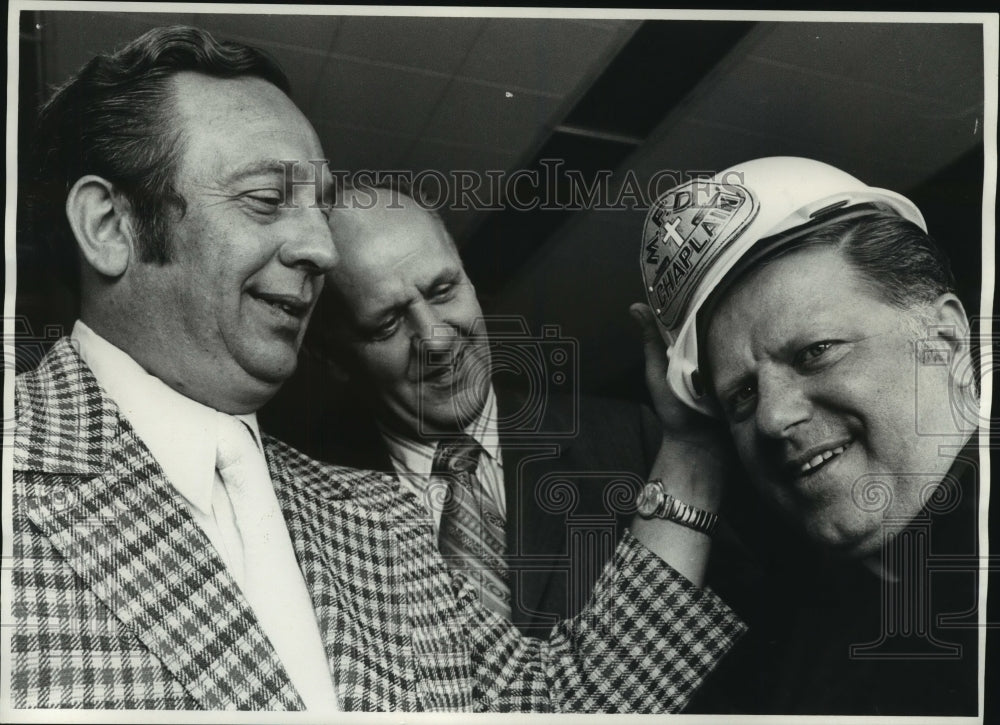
<point x="113" y="119"/>
<point x="900" y="260"/>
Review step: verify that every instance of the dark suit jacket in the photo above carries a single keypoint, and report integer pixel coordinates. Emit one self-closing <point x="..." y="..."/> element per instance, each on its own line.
<point x="571" y="471"/>
<point x="828" y="637"/>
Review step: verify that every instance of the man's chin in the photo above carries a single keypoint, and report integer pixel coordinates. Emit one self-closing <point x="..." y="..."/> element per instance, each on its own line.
<point x="853" y="540"/>
<point x="252" y="383"/>
<point x="251" y="394"/>
<point x="451" y="417"/>
<point x="272" y="375"/>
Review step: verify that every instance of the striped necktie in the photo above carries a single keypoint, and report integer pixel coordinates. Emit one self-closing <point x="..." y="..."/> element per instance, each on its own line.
<point x="471" y="537"/>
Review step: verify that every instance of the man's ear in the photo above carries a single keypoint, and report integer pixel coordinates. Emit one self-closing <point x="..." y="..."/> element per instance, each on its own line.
<point x="99" y="219"/>
<point x="951" y="326"/>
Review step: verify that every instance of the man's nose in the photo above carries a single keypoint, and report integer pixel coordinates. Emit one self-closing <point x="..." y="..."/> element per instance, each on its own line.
<point x="428" y="330"/>
<point x="309" y="242"/>
<point x="428" y="325"/>
<point x="782" y="403"/>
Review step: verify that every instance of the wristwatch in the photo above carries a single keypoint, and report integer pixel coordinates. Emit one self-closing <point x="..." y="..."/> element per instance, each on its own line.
<point x="654" y="502"/>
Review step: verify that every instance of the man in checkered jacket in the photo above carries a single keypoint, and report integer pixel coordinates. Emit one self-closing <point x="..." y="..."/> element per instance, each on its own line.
<point x="137" y="581"/>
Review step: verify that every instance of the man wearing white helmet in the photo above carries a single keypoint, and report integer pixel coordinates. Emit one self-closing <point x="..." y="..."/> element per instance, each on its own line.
<point x="815" y="317"/>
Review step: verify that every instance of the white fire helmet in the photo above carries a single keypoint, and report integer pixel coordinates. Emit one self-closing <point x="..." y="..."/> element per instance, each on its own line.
<point x="697" y="232"/>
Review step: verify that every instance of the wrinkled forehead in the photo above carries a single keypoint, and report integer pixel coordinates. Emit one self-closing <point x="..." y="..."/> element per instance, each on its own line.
<point x="226" y="123"/>
<point x="810" y="280"/>
<point x="375" y="228"/>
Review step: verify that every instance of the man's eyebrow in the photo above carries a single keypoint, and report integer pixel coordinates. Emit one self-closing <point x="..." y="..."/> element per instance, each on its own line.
<point x="261" y="167"/>
<point x="400" y="306"/>
<point x="720" y="388"/>
<point x="725" y="388"/>
<point x="449" y="274"/>
<point x="278" y="168"/>
<point x="375" y="315"/>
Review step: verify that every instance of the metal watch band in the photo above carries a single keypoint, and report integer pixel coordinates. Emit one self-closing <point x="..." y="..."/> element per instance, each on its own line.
<point x="654" y="502"/>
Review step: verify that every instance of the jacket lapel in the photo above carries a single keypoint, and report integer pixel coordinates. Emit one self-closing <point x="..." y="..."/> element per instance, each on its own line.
<point x="533" y="532"/>
<point x="350" y="557"/>
<point x="104" y="503"/>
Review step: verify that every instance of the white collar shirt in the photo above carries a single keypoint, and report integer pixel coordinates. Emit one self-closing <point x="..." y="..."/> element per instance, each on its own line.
<point x="413" y="460"/>
<point x="181" y="435"/>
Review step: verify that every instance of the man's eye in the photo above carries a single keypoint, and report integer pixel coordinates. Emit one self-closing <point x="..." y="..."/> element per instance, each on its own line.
<point x="813" y="355"/>
<point x="266" y="201"/>
<point x="384" y="331"/>
<point x="740" y="403"/>
<point x="442" y="292"/>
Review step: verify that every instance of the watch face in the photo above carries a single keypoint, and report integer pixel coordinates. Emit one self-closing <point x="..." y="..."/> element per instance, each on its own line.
<point x="649" y="500"/>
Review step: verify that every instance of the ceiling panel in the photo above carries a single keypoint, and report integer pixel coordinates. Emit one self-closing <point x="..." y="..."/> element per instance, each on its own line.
<point x="353" y="148"/>
<point x="537" y="54"/>
<point x="314" y="32"/>
<point x="482" y="115"/>
<point x="918" y="61"/>
<point x="73" y="38"/>
<point x="446" y="156"/>
<point x="463" y="211"/>
<point x="837" y="114"/>
<point x="93" y="20"/>
<point x="308" y="65"/>
<point x="713" y="145"/>
<point x="382" y="98"/>
<point x="435" y="44"/>
<point x="386" y="91"/>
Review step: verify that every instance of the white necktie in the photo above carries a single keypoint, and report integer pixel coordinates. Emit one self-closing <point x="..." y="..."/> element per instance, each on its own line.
<point x="271" y="579"/>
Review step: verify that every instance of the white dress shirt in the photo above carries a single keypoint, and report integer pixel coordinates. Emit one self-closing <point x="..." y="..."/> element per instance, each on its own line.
<point x="413" y="461"/>
<point x="181" y="435"/>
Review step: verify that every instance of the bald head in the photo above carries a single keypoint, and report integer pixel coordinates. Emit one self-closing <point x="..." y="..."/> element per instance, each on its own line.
<point x="378" y="229"/>
<point x="398" y="293"/>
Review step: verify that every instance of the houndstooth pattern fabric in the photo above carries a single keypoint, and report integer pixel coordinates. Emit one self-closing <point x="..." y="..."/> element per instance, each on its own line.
<point x="119" y="600"/>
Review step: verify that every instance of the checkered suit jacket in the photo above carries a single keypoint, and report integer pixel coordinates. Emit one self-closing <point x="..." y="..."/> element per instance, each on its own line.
<point x="119" y="600"/>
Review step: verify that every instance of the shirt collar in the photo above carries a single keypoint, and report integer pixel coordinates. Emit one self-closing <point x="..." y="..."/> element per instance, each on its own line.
<point x="179" y="432"/>
<point x="484" y="428"/>
<point x="417" y="456"/>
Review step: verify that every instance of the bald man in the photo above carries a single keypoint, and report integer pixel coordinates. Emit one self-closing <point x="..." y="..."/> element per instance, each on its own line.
<point x="554" y="467"/>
